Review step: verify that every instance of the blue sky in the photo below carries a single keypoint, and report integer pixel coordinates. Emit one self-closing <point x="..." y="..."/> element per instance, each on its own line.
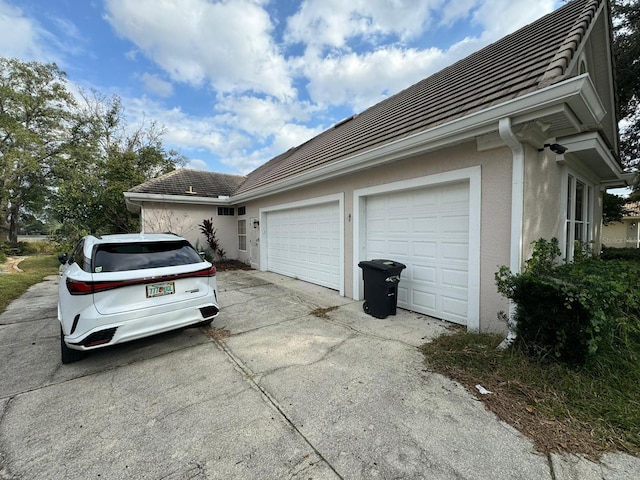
<point x="236" y="82"/>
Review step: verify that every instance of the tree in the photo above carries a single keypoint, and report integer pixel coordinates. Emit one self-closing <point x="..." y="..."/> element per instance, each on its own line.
<point x="613" y="208"/>
<point x="35" y="126"/>
<point x="111" y="159"/>
<point x="626" y="51"/>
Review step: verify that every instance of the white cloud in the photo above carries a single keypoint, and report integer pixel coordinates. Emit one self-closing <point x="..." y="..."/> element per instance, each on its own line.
<point x="156" y="85"/>
<point x="225" y="44"/>
<point x="498" y="18"/>
<point x="240" y="135"/>
<point x="457" y="10"/>
<point x="21" y="37"/>
<point x="196" y="164"/>
<point x="351" y="55"/>
<point x="333" y="22"/>
<point x="261" y="117"/>
<point x="363" y="80"/>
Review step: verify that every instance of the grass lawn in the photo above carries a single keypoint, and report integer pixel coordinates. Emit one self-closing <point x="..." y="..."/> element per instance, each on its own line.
<point x="585" y="411"/>
<point x="12" y="285"/>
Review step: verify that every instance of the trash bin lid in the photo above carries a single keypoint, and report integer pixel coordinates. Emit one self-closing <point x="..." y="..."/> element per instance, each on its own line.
<point x="381" y="264"/>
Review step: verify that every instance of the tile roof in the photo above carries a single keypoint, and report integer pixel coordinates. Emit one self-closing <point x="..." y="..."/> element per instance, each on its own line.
<point x="529" y="59"/>
<point x="187" y="182"/>
<point x="633" y="209"/>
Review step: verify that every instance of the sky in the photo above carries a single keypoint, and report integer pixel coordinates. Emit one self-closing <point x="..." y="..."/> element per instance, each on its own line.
<point x="236" y="82"/>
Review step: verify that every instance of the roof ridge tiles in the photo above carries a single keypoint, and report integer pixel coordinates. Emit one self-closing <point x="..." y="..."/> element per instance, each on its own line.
<point x="564" y="55"/>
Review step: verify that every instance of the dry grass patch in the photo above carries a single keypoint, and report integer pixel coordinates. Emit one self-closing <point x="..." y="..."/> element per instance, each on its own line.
<point x="582" y="411"/>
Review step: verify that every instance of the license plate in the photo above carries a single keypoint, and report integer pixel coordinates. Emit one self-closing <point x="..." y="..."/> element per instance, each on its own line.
<point x="160" y="289"/>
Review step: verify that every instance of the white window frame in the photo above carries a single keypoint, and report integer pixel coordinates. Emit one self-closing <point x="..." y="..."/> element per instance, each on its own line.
<point x="242" y="235"/>
<point x="570" y="224"/>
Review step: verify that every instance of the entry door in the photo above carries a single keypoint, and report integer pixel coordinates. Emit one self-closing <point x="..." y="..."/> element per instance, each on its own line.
<point x="254" y="241"/>
<point x="427" y="229"/>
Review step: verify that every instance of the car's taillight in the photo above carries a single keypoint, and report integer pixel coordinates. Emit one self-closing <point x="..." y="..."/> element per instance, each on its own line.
<point x="208" y="272"/>
<point x="77" y="287"/>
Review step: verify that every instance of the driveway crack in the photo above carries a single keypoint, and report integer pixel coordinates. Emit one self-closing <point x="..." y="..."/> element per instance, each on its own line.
<point x="250" y="377"/>
<point x="5" y="472"/>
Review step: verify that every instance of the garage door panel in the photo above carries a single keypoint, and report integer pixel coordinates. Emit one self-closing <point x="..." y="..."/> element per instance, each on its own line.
<point x="424" y="300"/>
<point x="305" y="243"/>
<point x="425" y="224"/>
<point x="398" y="247"/>
<point x="455" y="307"/>
<point x="454" y="251"/>
<point x="399" y="225"/>
<point x="424" y="250"/>
<point x="454" y="224"/>
<point x="428" y="230"/>
<point x="457" y="193"/>
<point x="422" y="273"/>
<point x="454" y="278"/>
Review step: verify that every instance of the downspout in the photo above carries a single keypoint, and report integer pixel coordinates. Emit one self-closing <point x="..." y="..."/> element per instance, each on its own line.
<point x="517" y="212"/>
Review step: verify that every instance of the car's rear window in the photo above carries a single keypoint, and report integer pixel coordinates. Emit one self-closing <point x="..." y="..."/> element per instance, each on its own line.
<point x="138" y="256"/>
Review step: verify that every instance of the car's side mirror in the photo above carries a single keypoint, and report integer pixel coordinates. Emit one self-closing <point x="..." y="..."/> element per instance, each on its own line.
<point x="63" y="258"/>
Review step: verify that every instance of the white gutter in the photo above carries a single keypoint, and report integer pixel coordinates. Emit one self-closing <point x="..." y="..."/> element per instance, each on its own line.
<point x="578" y="92"/>
<point x="517" y="212"/>
<point x="133" y="197"/>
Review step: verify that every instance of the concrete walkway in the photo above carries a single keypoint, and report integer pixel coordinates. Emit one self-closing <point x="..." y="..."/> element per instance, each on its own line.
<point x="292" y="382"/>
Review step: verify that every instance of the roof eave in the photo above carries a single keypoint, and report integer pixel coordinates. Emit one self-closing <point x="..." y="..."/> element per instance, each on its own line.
<point x="132" y="200"/>
<point x="577" y="92"/>
<point x="595" y="153"/>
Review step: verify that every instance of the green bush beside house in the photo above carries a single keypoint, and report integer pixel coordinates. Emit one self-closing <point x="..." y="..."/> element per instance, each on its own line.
<point x="573" y="312"/>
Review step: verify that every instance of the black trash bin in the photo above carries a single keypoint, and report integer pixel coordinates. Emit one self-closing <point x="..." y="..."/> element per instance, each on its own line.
<point x="381" y="279"/>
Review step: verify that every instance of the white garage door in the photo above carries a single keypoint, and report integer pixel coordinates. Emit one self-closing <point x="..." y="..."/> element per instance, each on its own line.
<point x="427" y="229"/>
<point x="305" y="243"/>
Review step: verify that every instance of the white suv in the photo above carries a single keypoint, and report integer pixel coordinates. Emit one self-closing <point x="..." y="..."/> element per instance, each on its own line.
<point x="118" y="288"/>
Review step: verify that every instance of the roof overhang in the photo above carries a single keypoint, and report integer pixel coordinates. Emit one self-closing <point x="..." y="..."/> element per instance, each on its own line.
<point x="135" y="200"/>
<point x="575" y="98"/>
<point x="590" y="149"/>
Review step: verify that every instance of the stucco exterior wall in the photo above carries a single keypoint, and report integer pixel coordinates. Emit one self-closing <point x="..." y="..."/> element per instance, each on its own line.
<point x="496" y="167"/>
<point x="183" y="219"/>
<point x="543" y="214"/>
<point x="622" y="234"/>
<point x="545" y="200"/>
<point x="614" y="235"/>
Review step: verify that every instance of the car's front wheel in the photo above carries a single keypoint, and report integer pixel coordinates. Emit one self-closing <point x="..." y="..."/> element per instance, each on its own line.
<point x="69" y="355"/>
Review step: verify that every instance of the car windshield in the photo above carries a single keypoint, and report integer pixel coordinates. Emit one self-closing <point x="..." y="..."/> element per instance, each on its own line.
<point x="138" y="256"/>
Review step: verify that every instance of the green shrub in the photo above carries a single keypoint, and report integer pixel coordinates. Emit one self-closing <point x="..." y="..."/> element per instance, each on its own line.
<point x="572" y="312"/>
<point x="620" y="254"/>
<point x="39" y="247"/>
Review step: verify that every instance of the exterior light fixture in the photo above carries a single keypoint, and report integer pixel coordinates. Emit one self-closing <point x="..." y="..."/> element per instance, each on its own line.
<point x="555" y="148"/>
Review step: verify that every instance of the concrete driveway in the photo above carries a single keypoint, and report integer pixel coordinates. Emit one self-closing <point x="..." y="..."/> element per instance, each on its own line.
<point x="294" y="382"/>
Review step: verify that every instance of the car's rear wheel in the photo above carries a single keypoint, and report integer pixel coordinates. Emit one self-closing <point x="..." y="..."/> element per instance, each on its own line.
<point x="69" y="355"/>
